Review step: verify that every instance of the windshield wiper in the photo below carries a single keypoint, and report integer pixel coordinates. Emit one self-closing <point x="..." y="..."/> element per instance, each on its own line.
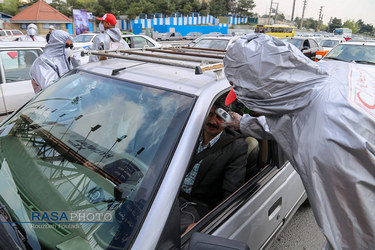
<point x="364" y="62"/>
<point x="15" y="240"/>
<point x="335" y="58"/>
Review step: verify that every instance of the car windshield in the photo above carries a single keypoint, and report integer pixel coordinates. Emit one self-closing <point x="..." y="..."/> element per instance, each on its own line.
<point x="212" y="44"/>
<point x="353" y="52"/>
<point x="295" y="42"/>
<point x="329" y="43"/>
<point x="88" y="144"/>
<point x="82" y="38"/>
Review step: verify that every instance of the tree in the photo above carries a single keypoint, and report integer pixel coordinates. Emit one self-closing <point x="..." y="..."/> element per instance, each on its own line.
<point x="351" y="24"/>
<point x="62" y="6"/>
<point x="10" y="7"/>
<point x="245" y="7"/>
<point x="334" y="23"/>
<point x="367" y="28"/>
<point x="219" y="7"/>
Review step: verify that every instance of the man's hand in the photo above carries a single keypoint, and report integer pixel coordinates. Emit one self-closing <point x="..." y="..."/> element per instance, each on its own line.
<point x="235" y="124"/>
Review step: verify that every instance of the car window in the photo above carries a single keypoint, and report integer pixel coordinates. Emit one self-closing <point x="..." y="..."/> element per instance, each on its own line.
<point x="17" y="63"/>
<point x="82" y="38"/>
<point x="348" y="53"/>
<point x="295" y="42"/>
<point x="8" y="32"/>
<point x="17" y="32"/>
<point x="140" y="42"/>
<point x="212" y="43"/>
<point x="2" y="33"/>
<point x="313" y="43"/>
<point x="91" y="144"/>
<point x="328" y="43"/>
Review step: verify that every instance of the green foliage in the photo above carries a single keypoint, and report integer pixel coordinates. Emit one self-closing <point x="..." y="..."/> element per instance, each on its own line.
<point x="10" y="7"/>
<point x="245" y="7"/>
<point x="334" y="23"/>
<point x="351" y="24"/>
<point x="219" y="7"/>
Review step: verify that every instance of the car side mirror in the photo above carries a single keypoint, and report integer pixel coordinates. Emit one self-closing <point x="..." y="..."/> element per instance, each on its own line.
<point x="318" y="57"/>
<point x="200" y="241"/>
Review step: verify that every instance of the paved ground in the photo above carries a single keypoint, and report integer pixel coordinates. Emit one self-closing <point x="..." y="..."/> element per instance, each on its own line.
<point x="302" y="232"/>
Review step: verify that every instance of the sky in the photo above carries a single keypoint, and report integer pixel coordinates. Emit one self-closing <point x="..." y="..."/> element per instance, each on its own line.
<point x="342" y="9"/>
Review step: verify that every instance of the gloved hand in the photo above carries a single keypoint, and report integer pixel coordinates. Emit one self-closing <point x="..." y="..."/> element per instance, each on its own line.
<point x="235" y="124"/>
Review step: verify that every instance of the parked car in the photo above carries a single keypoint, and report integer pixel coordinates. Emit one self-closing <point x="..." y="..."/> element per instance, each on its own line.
<point x="117" y="138"/>
<point x="192" y="35"/>
<point x="10" y="35"/>
<point x="308" y="45"/>
<point x="140" y="41"/>
<point x="16" y="60"/>
<point x="171" y="36"/>
<point x="84" y="41"/>
<point x="329" y="43"/>
<point x="358" y="52"/>
<point x="214" y="42"/>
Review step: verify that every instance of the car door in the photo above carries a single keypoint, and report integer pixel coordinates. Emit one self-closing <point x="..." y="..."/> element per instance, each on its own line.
<point x="306" y="48"/>
<point x="259" y="209"/>
<point x="16" y="87"/>
<point x="314" y="47"/>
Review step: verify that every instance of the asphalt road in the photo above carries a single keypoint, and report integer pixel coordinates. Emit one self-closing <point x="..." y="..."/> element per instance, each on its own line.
<point x="302" y="232"/>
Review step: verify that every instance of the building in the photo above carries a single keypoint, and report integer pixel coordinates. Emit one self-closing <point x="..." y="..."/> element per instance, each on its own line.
<point x="43" y="15"/>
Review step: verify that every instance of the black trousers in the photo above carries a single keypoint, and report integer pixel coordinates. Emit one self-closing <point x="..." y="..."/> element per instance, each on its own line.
<point x="190" y="212"/>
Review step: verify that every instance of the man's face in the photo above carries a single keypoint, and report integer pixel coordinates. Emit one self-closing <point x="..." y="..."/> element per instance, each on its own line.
<point x="107" y="25"/>
<point x="214" y="123"/>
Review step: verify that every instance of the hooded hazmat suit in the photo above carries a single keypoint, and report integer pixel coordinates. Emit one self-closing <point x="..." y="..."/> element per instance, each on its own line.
<point x="323" y="116"/>
<point x="53" y="63"/>
<point x="32" y="34"/>
<point x="110" y="39"/>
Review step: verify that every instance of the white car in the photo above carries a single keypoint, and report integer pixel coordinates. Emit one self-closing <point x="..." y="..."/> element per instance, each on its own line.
<point x="10" y="35"/>
<point x="221" y="42"/>
<point x="329" y="43"/>
<point x="114" y="140"/>
<point x="84" y="41"/>
<point x="141" y="41"/>
<point x="357" y="52"/>
<point x="16" y="60"/>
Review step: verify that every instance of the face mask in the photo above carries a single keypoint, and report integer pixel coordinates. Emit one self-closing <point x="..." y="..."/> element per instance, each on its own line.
<point x="101" y="27"/>
<point x="31" y="32"/>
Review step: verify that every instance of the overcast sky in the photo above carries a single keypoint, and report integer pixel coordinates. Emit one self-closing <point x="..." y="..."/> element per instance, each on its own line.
<point x="342" y="9"/>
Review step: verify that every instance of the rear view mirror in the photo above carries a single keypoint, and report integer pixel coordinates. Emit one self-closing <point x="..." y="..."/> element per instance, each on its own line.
<point x="200" y="241"/>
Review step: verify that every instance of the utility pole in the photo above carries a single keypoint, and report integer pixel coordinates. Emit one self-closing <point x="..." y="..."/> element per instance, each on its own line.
<point x="269" y="15"/>
<point x="320" y="20"/>
<point x="277" y="7"/>
<point x="303" y="13"/>
<point x="294" y="5"/>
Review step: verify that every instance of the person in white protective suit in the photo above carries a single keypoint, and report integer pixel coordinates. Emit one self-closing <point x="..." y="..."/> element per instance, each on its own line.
<point x="323" y="116"/>
<point x="54" y="62"/>
<point x="31" y="34"/>
<point x="110" y="39"/>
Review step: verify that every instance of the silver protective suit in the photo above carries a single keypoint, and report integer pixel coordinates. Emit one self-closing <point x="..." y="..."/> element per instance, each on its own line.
<point x="110" y="39"/>
<point x="53" y="63"/>
<point x="323" y="116"/>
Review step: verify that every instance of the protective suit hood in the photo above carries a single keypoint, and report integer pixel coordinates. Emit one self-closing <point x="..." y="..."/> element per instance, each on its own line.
<point x="322" y="116"/>
<point x="53" y="63"/>
<point x="109" y="40"/>
<point x="114" y="34"/>
<point x="268" y="73"/>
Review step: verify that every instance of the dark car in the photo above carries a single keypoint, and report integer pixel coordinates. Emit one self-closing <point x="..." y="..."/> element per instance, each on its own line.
<point x="308" y="45"/>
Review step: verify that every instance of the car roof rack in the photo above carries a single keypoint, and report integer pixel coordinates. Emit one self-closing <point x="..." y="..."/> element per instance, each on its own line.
<point x="176" y="57"/>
